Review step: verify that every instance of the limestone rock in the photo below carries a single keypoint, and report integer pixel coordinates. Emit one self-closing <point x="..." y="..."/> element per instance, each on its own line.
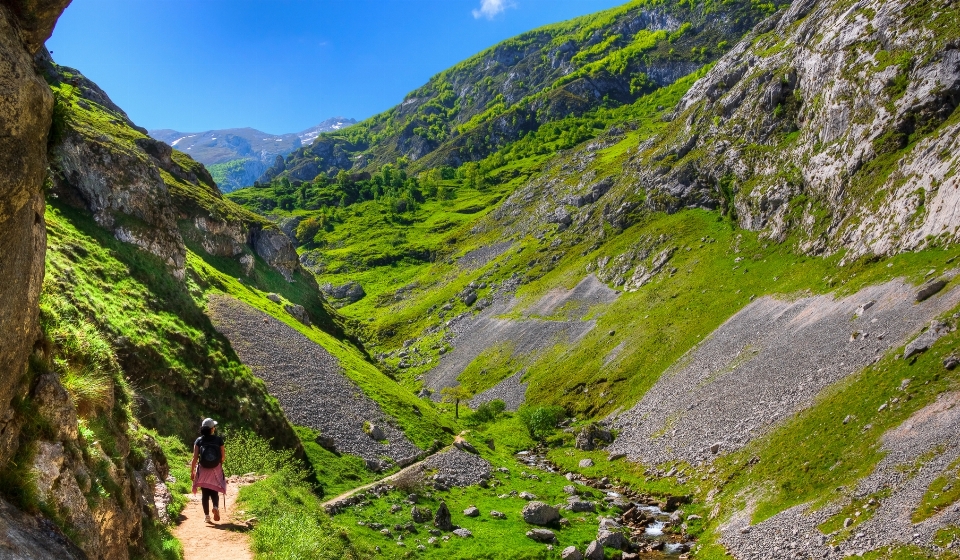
<point x="585" y="463"/>
<point x="56" y="407"/>
<point x="462" y="533"/>
<point x="345" y="294"/>
<point x="275" y="248"/>
<point x="571" y="553"/>
<point x="613" y="539"/>
<point x="594" y="551"/>
<point x="471" y="511"/>
<point x="539" y="513"/>
<point x="926" y="339"/>
<point x="930" y="288"/>
<point x="298" y="312"/>
<point x="592" y="436"/>
<point x="442" y="519"/>
<point x="420" y="514"/>
<point x="542" y="535"/>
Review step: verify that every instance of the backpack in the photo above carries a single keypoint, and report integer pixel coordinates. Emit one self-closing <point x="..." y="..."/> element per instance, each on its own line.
<point x="209" y="453"/>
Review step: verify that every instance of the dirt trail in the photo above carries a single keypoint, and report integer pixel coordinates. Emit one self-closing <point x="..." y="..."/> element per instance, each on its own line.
<point x="384" y="480"/>
<point x="224" y="539"/>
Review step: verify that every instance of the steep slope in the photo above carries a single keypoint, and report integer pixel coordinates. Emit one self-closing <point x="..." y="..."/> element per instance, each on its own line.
<point x="498" y="96"/>
<point x="237" y="157"/>
<point x="140" y="240"/>
<point x="765" y="226"/>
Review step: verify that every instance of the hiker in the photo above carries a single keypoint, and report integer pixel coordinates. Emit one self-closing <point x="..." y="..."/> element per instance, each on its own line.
<point x="206" y="470"/>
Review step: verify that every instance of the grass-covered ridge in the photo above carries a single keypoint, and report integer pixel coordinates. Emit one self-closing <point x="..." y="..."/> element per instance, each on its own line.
<point x="480" y="104"/>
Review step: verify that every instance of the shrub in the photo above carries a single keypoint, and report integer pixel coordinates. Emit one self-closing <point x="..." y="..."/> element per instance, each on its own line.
<point x="487" y="412"/>
<point x="246" y="452"/>
<point x="540" y="421"/>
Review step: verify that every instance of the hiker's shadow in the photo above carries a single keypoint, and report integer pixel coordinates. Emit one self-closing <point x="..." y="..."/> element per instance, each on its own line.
<point x="235" y="527"/>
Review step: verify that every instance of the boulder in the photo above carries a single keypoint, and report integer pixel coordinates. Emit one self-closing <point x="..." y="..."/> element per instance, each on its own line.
<point x="471" y="511"/>
<point x="465" y="446"/>
<point x="421" y="514"/>
<point x="930" y="288"/>
<point x="571" y="553"/>
<point x="442" y="519"/>
<point x="345" y="294"/>
<point x="585" y="463"/>
<point x="715" y="448"/>
<point x="527" y="496"/>
<point x="926" y="339"/>
<point x="576" y="505"/>
<point x="462" y="533"/>
<point x="297" y="312"/>
<point x="273" y="297"/>
<point x="469" y="298"/>
<point x="276" y="249"/>
<point x="569" y="489"/>
<point x="951" y="362"/>
<point x="542" y="535"/>
<point x="539" y="513"/>
<point x="594" y="551"/>
<point x="497" y="514"/>
<point x="376" y="432"/>
<point x="592" y="436"/>
<point x="613" y="539"/>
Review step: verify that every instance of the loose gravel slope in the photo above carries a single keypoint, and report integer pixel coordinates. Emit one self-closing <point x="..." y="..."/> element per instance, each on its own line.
<point x="308" y="382"/>
<point x="528" y="336"/>
<point x="766" y="363"/>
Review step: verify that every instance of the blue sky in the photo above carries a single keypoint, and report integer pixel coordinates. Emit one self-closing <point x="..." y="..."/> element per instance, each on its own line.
<point x="281" y="65"/>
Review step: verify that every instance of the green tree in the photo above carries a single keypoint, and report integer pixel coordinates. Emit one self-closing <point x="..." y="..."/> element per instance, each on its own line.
<point x="455" y="395"/>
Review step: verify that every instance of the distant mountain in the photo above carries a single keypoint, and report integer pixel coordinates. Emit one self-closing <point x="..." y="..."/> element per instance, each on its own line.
<point x="236" y="157"/>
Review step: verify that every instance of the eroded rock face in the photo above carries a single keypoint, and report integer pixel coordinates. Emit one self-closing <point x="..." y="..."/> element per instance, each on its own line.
<point x="125" y="193"/>
<point x="275" y="248"/>
<point x="70" y="481"/>
<point x="26" y="106"/>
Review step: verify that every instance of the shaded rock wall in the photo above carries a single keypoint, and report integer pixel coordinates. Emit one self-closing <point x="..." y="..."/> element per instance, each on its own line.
<point x="25" y="113"/>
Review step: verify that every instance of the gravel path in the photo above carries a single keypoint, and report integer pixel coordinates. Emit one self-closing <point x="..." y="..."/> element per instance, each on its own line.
<point x="477" y="333"/>
<point x="511" y="391"/>
<point x="794" y="534"/>
<point x="308" y="382"/>
<point x="764" y="364"/>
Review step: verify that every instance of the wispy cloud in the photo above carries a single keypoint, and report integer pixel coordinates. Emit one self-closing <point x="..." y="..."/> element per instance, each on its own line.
<point x="490" y="8"/>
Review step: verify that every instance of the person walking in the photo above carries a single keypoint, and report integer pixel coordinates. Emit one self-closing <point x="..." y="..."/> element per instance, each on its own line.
<point x="206" y="470"/>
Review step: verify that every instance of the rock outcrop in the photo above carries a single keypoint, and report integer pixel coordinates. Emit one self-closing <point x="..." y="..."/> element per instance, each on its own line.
<point x="145" y="192"/>
<point x="26" y="108"/>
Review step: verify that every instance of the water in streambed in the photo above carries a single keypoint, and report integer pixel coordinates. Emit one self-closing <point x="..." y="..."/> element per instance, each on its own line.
<point x="650" y="528"/>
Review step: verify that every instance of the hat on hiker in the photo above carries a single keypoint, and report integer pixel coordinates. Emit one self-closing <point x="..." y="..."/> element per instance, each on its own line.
<point x="208" y="423"/>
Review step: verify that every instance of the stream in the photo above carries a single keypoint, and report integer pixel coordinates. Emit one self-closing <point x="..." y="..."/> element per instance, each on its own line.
<point x="647" y="522"/>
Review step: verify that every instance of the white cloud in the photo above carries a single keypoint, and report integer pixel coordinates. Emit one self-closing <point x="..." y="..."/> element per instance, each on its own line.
<point x="490" y="8"/>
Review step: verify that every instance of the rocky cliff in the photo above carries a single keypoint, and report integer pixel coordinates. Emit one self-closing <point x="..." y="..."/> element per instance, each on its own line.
<point x="26" y="106"/>
<point x="145" y="192"/>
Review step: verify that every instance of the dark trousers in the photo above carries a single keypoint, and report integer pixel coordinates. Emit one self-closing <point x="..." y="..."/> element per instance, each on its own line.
<point x="207" y="496"/>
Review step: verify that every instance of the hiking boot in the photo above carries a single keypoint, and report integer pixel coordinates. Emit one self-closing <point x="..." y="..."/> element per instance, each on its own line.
<point x="216" y="514"/>
<point x="207" y="518"/>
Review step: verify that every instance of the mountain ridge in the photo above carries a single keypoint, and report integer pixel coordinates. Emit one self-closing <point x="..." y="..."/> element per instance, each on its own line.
<point x="236" y="157"/>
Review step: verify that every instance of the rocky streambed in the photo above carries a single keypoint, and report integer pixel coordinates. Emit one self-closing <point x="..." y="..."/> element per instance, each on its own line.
<point x="649" y="526"/>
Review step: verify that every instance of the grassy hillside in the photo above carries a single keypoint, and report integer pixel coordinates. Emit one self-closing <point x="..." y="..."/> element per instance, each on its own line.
<point x="481" y="104"/>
